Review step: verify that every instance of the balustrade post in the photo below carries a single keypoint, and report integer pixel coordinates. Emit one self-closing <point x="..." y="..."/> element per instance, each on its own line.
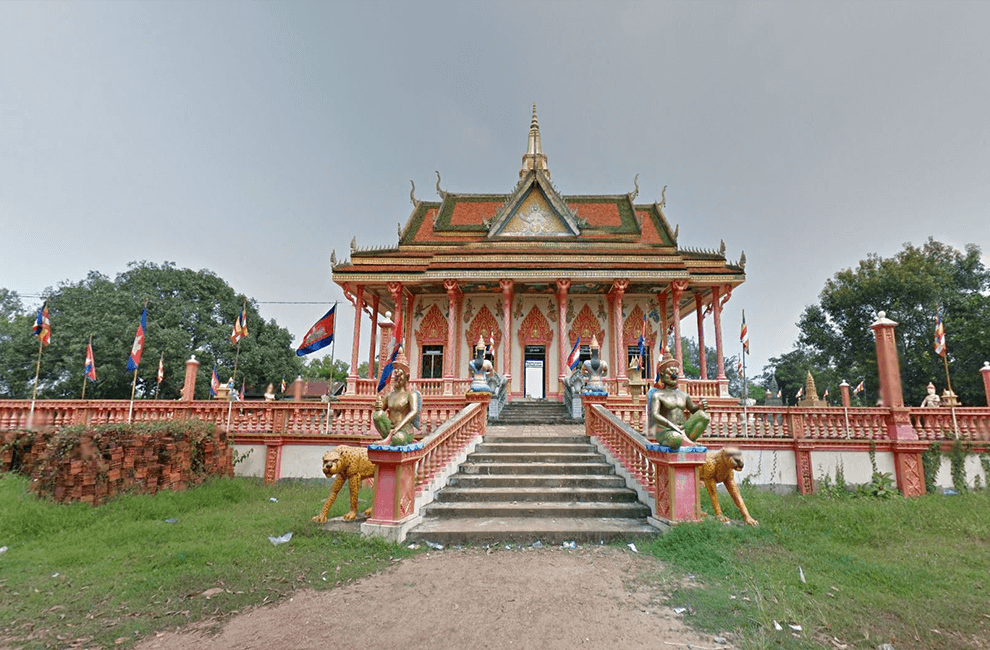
<point x="189" y="385"/>
<point x="676" y="486"/>
<point x="985" y="371"/>
<point x="395" y="491"/>
<point x="844" y="389"/>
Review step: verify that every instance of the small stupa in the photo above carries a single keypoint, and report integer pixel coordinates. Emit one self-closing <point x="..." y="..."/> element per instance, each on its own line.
<point x="810" y="394"/>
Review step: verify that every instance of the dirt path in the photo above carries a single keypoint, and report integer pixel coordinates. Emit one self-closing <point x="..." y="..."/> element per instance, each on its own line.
<point x="549" y="599"/>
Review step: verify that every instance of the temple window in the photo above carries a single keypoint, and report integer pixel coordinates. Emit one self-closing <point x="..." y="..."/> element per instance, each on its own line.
<point x="633" y="351"/>
<point x="432" y="367"/>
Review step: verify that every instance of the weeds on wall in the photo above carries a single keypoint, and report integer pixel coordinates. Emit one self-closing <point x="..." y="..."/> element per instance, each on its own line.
<point x="957" y="464"/>
<point x="930" y="461"/>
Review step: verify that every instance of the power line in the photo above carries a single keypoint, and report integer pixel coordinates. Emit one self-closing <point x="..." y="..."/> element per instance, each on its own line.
<point x="260" y="302"/>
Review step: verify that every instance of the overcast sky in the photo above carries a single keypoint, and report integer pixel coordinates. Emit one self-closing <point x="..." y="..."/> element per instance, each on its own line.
<point x="252" y="138"/>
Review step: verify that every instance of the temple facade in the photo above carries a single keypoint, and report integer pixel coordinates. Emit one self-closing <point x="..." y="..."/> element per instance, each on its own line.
<point x="529" y="272"/>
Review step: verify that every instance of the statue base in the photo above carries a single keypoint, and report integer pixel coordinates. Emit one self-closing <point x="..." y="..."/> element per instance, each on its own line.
<point x="677" y="490"/>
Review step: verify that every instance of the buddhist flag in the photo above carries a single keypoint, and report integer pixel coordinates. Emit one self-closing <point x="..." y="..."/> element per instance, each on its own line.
<point x="90" y="364"/>
<point x="240" y="396"/>
<point x="43" y="326"/>
<point x="825" y="394"/>
<point x="161" y="368"/>
<point x="319" y="336"/>
<point x="860" y="387"/>
<point x="137" y="349"/>
<point x="779" y="392"/>
<point x="939" y="334"/>
<point x="800" y="393"/>
<point x="739" y="369"/>
<point x="744" y="334"/>
<point x="283" y="383"/>
<point x="214" y="382"/>
<point x="240" y="327"/>
<point x="574" y="358"/>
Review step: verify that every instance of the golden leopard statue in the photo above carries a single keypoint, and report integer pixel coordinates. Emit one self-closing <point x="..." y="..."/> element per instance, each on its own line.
<point x="351" y="465"/>
<point x="718" y="468"/>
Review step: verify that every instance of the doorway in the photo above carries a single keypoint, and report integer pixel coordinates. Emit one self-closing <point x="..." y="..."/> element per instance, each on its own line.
<point x="534" y="377"/>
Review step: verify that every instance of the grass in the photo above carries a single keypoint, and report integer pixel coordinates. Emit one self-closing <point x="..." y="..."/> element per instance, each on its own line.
<point x="122" y="570"/>
<point x="911" y="572"/>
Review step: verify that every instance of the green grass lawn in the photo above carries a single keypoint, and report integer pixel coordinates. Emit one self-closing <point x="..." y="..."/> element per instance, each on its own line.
<point x="911" y="572"/>
<point x="122" y="570"/>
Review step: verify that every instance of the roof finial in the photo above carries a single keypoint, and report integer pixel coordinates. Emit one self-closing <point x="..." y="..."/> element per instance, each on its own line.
<point x="534" y="158"/>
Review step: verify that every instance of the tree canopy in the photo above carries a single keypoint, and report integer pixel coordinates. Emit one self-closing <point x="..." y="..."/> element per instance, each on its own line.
<point x="835" y="339"/>
<point x="189" y="312"/>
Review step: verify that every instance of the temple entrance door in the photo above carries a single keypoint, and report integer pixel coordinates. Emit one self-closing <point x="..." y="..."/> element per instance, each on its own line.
<point x="535" y="377"/>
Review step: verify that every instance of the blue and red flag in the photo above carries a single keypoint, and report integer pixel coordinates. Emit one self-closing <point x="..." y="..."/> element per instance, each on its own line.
<point x="642" y="344"/>
<point x="939" y="334"/>
<point x="90" y="364"/>
<point x="137" y="349"/>
<point x="319" y="335"/>
<point x="387" y="370"/>
<point x="574" y="358"/>
<point x="214" y="382"/>
<point x="43" y="326"/>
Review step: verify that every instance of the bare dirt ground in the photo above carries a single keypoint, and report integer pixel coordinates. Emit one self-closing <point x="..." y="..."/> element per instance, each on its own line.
<point x="552" y="598"/>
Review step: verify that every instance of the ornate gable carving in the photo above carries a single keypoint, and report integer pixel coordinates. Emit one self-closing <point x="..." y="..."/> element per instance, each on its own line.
<point x="433" y="328"/>
<point x="535" y="329"/>
<point x="483" y="325"/>
<point x="534" y="209"/>
<point x="587" y="325"/>
<point x="634" y="325"/>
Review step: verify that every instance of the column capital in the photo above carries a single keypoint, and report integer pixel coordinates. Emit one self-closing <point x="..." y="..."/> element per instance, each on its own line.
<point x="506" y="285"/>
<point x="619" y="286"/>
<point x="451" y="287"/>
<point x="563" y="284"/>
<point x="395" y="288"/>
<point x="679" y="286"/>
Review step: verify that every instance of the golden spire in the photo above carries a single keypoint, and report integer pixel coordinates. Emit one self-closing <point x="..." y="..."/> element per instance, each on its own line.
<point x="534" y="157"/>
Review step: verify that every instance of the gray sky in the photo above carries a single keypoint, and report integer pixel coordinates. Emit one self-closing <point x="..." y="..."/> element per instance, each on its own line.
<point x="252" y="138"/>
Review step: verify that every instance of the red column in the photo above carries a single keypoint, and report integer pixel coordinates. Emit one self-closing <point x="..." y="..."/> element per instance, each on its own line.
<point x="562" y="344"/>
<point x="717" y="321"/>
<point x="395" y="288"/>
<point x="888" y="365"/>
<point x="985" y="371"/>
<point x="189" y="385"/>
<point x="702" y="360"/>
<point x="374" y="338"/>
<point x="844" y="389"/>
<point x="618" y="341"/>
<point x="407" y="323"/>
<point x="448" y="364"/>
<point x="506" y="286"/>
<point x="384" y="349"/>
<point x="677" y="288"/>
<point x="356" y="342"/>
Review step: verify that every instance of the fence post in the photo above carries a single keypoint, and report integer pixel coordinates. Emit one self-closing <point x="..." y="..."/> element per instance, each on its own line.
<point x="985" y="371"/>
<point x="802" y="453"/>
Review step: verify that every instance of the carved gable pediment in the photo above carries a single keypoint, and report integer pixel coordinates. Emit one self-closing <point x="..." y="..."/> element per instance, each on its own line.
<point x="633" y="327"/>
<point x="535" y="329"/>
<point x="484" y="325"/>
<point x="587" y="326"/>
<point x="433" y="328"/>
<point x="535" y="209"/>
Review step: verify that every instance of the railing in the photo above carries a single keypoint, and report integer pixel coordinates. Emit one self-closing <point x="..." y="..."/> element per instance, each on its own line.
<point x="499" y="396"/>
<point x="953" y="422"/>
<point x="441" y="446"/>
<point x="625" y="444"/>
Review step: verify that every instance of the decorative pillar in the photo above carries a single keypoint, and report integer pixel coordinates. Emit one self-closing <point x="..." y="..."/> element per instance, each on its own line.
<point x="297" y="389"/>
<point x="702" y="360"/>
<point x="386" y="327"/>
<point x="407" y="323"/>
<point x="618" y="340"/>
<point x="358" y="306"/>
<point x="677" y="494"/>
<point x="844" y="389"/>
<point x="985" y="371"/>
<point x="374" y="337"/>
<point x="676" y="289"/>
<point x="395" y="288"/>
<point x="717" y="321"/>
<point x="888" y="365"/>
<point x="189" y="385"/>
<point x="562" y="286"/>
<point x="448" y="363"/>
<point x="506" y="286"/>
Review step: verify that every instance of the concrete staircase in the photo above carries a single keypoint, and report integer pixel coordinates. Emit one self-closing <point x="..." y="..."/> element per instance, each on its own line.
<point x="534" y="483"/>
<point x="534" y="412"/>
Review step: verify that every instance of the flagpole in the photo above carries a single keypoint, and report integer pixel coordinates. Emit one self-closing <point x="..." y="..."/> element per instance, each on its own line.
<point x="158" y="388"/>
<point x="233" y="377"/>
<point x="333" y="354"/>
<point x="34" y="391"/>
<point x="745" y="397"/>
<point x="130" y="410"/>
<point x="84" y="368"/>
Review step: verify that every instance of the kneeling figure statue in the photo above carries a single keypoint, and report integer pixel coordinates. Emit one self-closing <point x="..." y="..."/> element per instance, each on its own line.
<point x="397" y="415"/>
<point x="668" y="405"/>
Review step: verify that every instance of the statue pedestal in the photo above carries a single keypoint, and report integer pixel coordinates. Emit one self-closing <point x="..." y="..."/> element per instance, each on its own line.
<point x="393" y="511"/>
<point x="677" y="486"/>
<point x="481" y="397"/>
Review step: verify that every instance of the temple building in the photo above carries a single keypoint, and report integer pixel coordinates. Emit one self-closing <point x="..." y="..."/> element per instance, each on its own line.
<point x="532" y="270"/>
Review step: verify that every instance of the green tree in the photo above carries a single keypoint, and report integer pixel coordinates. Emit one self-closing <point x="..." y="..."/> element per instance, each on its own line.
<point x="909" y="287"/>
<point x="189" y="312"/>
<point x="18" y="347"/>
<point x="790" y="370"/>
<point x="321" y="369"/>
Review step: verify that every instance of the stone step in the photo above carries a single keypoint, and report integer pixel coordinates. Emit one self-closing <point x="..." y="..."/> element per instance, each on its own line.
<point x="519" y="494"/>
<point x="536" y="457"/>
<point x="537" y="481"/>
<point x="525" y="530"/>
<point x="536" y="468"/>
<point x="504" y="438"/>
<point x="544" y="510"/>
<point x="518" y="446"/>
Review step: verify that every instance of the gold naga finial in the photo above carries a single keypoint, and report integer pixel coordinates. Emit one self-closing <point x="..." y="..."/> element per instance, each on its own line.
<point x="442" y="194"/>
<point x="635" y="193"/>
<point x="534" y="157"/>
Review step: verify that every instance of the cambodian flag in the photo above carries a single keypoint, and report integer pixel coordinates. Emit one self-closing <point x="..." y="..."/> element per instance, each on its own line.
<point x="90" y="364"/>
<point x="214" y="382"/>
<point x="574" y="358"/>
<point x="642" y="344"/>
<point x="319" y="335"/>
<point x="387" y="370"/>
<point x="138" y="348"/>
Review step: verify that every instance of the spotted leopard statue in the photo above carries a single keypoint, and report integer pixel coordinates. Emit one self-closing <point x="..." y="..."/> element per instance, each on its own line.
<point x="719" y="467"/>
<point x="351" y="466"/>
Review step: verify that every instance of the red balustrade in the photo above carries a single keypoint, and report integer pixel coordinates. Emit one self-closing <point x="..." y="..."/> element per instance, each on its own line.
<point x="948" y="423"/>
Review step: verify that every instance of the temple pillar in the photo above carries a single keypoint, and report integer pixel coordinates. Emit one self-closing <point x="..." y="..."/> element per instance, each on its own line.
<point x="449" y="356"/>
<point x="407" y="323"/>
<point x="844" y="390"/>
<point x="384" y="349"/>
<point x="562" y="287"/>
<point x="717" y="321"/>
<point x="297" y="389"/>
<point x="374" y="338"/>
<point x="662" y="301"/>
<point x="985" y="371"/>
<point x="395" y="289"/>
<point x="888" y="365"/>
<point x="458" y="337"/>
<point x="676" y="290"/>
<point x="189" y="385"/>
<point x="506" y="286"/>
<point x="618" y="341"/>
<point x="356" y="343"/>
<point x="702" y="360"/>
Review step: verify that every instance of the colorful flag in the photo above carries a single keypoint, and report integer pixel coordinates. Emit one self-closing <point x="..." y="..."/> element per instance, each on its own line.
<point x="744" y="334"/>
<point x="939" y="334"/>
<point x="779" y="392"/>
<point x="319" y="335"/>
<point x="161" y="368"/>
<point x="137" y="349"/>
<point x="214" y="382"/>
<point x="825" y="394"/>
<point x="240" y="327"/>
<point x="800" y="393"/>
<point x="574" y="358"/>
<point x="740" y="369"/>
<point x="860" y="387"/>
<point x="43" y="326"/>
<point x="642" y="344"/>
<point x="240" y="396"/>
<point x="387" y="370"/>
<point x="283" y="383"/>
<point x="90" y="364"/>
